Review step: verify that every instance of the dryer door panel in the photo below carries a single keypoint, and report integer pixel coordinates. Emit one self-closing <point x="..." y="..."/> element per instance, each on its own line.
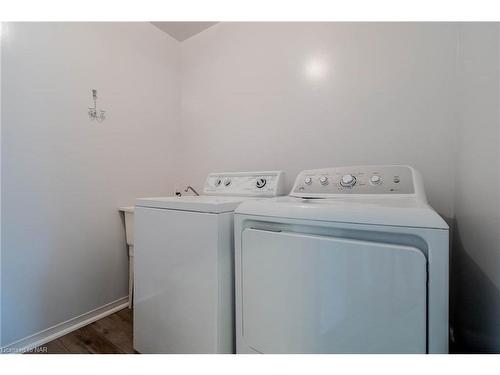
<point x="315" y="294"/>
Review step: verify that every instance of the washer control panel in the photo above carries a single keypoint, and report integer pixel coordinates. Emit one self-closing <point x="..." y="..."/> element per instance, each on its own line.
<point x="258" y="184"/>
<point x="386" y="179"/>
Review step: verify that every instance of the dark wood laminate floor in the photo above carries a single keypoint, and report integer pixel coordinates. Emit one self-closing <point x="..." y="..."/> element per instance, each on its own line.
<point x="109" y="335"/>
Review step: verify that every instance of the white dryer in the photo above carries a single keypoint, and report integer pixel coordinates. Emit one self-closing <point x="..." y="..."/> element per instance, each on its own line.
<point x="184" y="265"/>
<point x="353" y="261"/>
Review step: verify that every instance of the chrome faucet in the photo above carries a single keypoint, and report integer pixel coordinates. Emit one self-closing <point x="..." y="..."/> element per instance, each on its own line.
<point x="192" y="189"/>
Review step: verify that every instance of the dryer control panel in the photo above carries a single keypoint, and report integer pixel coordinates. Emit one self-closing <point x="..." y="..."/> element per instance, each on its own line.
<point x="357" y="180"/>
<point x="247" y="184"/>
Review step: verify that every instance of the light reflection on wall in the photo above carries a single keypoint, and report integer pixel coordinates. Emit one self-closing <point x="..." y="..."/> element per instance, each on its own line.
<point x="317" y="68"/>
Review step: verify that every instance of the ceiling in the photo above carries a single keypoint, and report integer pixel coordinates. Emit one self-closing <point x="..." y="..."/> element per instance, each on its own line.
<point x="183" y="30"/>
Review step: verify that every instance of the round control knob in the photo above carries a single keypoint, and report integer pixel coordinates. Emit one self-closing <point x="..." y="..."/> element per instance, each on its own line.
<point x="227" y="181"/>
<point x="347" y="180"/>
<point x="375" y="180"/>
<point x="218" y="182"/>
<point x="308" y="180"/>
<point x="323" y="180"/>
<point x="261" y="182"/>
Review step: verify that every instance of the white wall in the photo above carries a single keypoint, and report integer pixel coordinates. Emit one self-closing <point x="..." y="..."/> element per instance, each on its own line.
<point x="294" y="96"/>
<point x="477" y="245"/>
<point x="63" y="177"/>
<point x="478" y="158"/>
<point x="1" y="306"/>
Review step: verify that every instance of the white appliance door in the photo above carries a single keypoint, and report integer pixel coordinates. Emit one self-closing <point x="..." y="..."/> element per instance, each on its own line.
<point x="176" y="281"/>
<point x="316" y="294"/>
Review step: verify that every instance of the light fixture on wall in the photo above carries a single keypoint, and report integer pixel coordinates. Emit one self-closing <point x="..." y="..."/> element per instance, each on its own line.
<point x="96" y="114"/>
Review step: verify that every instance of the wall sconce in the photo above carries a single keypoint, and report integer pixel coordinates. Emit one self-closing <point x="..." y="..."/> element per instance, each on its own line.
<point x="94" y="113"/>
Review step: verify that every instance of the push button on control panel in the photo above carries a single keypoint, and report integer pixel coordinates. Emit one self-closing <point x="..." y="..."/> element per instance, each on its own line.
<point x="375" y="180"/>
<point x="323" y="180"/>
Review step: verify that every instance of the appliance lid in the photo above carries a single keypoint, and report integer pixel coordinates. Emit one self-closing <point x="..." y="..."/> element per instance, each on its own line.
<point x="406" y="212"/>
<point x="201" y="203"/>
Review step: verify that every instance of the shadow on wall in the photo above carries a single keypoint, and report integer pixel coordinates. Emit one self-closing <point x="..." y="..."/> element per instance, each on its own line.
<point x="474" y="304"/>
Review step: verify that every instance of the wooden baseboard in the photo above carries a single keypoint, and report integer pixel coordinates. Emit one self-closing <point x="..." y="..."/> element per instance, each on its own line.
<point x="61" y="329"/>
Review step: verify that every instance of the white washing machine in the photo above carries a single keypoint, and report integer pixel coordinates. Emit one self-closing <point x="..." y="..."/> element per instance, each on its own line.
<point x="184" y="265"/>
<point x="353" y="261"/>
